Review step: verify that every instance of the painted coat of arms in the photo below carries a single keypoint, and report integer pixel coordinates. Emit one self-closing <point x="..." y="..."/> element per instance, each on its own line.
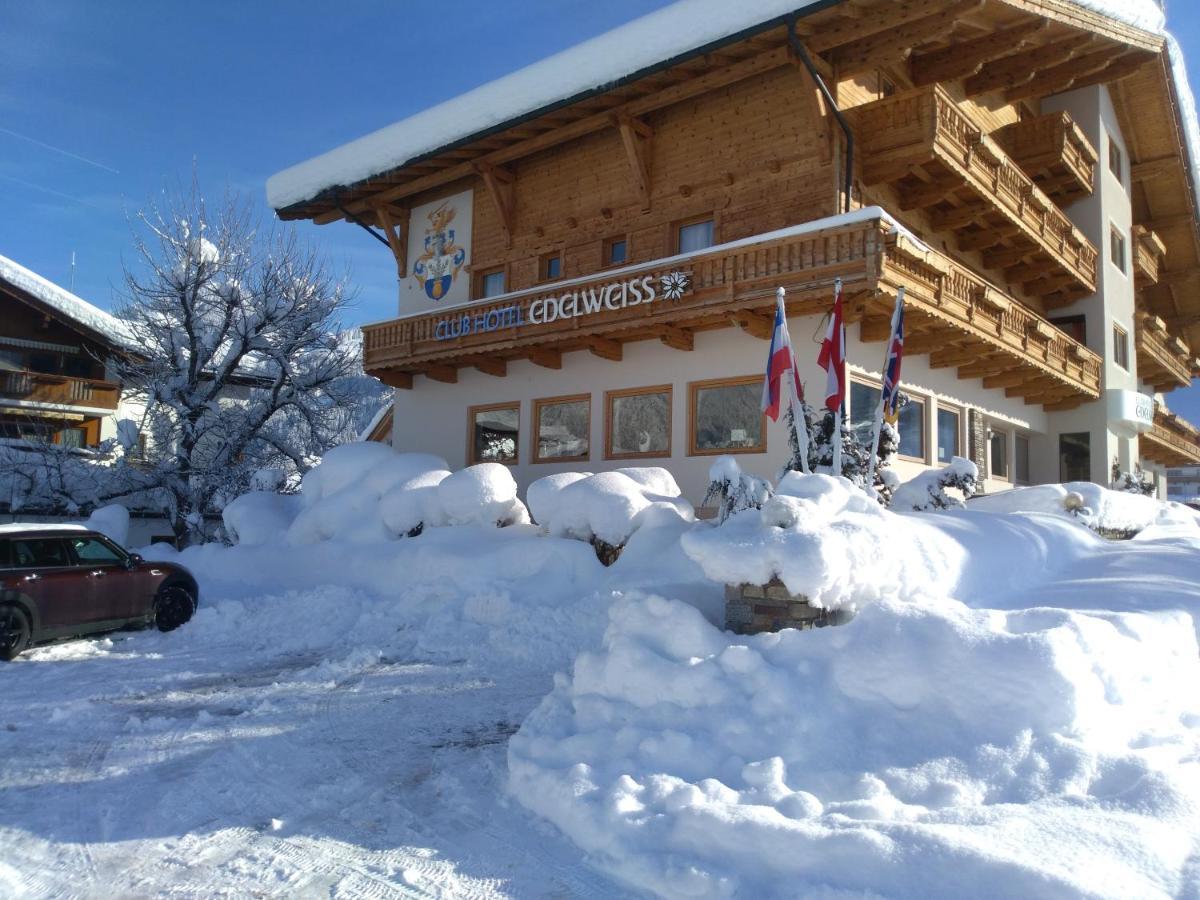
<point x="442" y="260"/>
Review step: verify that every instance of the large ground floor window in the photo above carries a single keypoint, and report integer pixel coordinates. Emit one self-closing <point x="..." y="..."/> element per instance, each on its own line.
<point x="637" y="422"/>
<point x="563" y="427"/>
<point x="725" y="416"/>
<point x="494" y="433"/>
<point x="864" y="404"/>
<point x="1075" y="457"/>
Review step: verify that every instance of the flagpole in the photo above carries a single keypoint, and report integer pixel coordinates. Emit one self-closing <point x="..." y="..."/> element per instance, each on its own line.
<point x="797" y="408"/>
<point x="840" y="338"/>
<point x="887" y="354"/>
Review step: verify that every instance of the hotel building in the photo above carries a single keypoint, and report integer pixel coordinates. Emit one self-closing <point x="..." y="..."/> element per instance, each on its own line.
<point x="588" y="250"/>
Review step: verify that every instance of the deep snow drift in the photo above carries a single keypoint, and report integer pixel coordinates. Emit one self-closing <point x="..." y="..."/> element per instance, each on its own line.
<point x="1011" y="711"/>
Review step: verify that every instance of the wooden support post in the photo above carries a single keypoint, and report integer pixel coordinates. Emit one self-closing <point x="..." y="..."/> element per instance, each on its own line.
<point x="638" y="139"/>
<point x="499" y="183"/>
<point x="395" y="227"/>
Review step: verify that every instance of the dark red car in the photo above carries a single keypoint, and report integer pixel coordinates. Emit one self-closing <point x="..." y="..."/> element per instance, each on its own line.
<point x="60" y="581"/>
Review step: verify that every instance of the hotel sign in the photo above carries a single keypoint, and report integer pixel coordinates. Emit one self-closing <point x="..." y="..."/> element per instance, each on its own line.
<point x="615" y="296"/>
<point x="1130" y="413"/>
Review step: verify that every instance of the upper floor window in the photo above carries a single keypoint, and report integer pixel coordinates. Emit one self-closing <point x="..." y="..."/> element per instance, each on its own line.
<point x="1074" y="326"/>
<point x="616" y="251"/>
<point x="693" y="236"/>
<point x="1116" y="160"/>
<point x="491" y="282"/>
<point x="550" y="267"/>
<point x="1121" y="347"/>
<point x="1117" y="247"/>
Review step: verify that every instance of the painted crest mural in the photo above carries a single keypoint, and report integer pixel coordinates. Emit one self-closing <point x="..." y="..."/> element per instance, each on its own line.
<point x="441" y="259"/>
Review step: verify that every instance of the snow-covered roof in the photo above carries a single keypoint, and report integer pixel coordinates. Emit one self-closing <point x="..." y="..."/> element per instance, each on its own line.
<point x="620" y="53"/>
<point x="20" y="527"/>
<point x="71" y="307"/>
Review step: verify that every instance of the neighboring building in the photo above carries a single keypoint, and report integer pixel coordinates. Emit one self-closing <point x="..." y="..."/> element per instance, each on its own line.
<point x="588" y="249"/>
<point x="56" y="383"/>
<point x="1183" y="484"/>
<point x="379" y="429"/>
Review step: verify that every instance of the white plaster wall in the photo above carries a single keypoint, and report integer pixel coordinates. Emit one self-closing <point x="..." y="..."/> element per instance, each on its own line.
<point x="432" y="417"/>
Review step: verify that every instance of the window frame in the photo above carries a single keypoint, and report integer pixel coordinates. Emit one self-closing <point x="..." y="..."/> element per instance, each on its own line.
<point x="960" y="414"/>
<point x="488" y="407"/>
<point x="482" y="274"/>
<point x="912" y="398"/>
<point x="537" y="403"/>
<point x="544" y="266"/>
<point x="617" y="394"/>
<point x="1120" y="346"/>
<point x="694" y="388"/>
<point x="1008" y="463"/>
<point x="606" y="261"/>
<point x="1118" y="242"/>
<point x="1116" y="159"/>
<point x="1016" y="475"/>
<point x="80" y="562"/>
<point x="679" y="224"/>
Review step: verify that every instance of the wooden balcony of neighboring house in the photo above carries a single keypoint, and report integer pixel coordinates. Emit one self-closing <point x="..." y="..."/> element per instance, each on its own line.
<point x="936" y="158"/>
<point x="1171" y="440"/>
<point x="1055" y="152"/>
<point x="1148" y="255"/>
<point x="42" y="390"/>
<point x="955" y="316"/>
<point x="1163" y="361"/>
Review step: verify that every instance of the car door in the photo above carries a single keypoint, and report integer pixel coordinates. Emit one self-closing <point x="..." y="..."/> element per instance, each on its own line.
<point x="112" y="591"/>
<point x="44" y="571"/>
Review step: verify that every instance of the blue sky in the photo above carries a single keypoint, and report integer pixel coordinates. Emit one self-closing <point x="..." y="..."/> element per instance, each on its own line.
<point x="104" y="105"/>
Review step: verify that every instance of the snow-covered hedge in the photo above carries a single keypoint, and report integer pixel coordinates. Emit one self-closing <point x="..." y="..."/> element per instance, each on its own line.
<point x="1107" y="511"/>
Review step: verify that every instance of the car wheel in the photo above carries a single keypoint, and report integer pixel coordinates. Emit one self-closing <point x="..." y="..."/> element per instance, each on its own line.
<point x="172" y="607"/>
<point x="15" y="632"/>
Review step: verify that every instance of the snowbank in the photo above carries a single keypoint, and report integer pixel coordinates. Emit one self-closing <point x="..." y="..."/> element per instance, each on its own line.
<point x="112" y="521"/>
<point x="1095" y="506"/>
<point x="609" y="506"/>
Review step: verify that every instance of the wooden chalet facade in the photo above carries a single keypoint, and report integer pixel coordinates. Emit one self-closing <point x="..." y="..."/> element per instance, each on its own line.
<point x="1018" y="166"/>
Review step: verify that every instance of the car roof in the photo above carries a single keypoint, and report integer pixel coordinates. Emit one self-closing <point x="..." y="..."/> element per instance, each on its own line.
<point x="30" y="528"/>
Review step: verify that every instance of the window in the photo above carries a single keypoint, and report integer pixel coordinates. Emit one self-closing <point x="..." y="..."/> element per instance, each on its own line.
<point x="864" y="406"/>
<point x="616" y="251"/>
<point x="949" y="423"/>
<point x="1120" y="347"/>
<point x="1074" y="457"/>
<point x="494" y="433"/>
<point x="40" y="552"/>
<point x="695" y="235"/>
<point x="72" y="437"/>
<point x="637" y="422"/>
<point x="491" y="282"/>
<point x="563" y="427"/>
<point x="1074" y="326"/>
<point x="1116" y="247"/>
<point x="725" y="416"/>
<point x="550" y="267"/>
<point x="90" y="551"/>
<point x="1115" y="160"/>
<point x="6" y="555"/>
<point x="1021" y="458"/>
<point x="998" y="454"/>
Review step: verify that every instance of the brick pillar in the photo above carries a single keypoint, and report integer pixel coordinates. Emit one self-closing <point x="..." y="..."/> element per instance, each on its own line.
<point x="977" y="440"/>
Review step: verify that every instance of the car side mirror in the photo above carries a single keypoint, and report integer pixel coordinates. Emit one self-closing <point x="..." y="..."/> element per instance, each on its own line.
<point x="134" y="559"/>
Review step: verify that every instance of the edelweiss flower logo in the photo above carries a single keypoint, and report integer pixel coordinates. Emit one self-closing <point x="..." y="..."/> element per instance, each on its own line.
<point x="674" y="285"/>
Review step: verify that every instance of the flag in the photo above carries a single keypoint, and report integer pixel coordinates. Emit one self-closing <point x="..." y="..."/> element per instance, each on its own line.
<point x="833" y="355"/>
<point x="780" y="360"/>
<point x="891" y="368"/>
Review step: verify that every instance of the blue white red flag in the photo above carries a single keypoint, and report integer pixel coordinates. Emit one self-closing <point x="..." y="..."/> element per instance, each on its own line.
<point x="833" y="355"/>
<point x="781" y="359"/>
<point x="891" y="368"/>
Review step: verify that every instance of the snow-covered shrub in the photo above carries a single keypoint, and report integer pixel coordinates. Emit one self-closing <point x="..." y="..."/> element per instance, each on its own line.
<point x="259" y="517"/>
<point x="606" y="508"/>
<point x="734" y="490"/>
<point x="927" y="491"/>
<point x="856" y="454"/>
<point x="485" y="494"/>
<point x="1135" y="482"/>
<point x="112" y="521"/>
<point x="412" y="506"/>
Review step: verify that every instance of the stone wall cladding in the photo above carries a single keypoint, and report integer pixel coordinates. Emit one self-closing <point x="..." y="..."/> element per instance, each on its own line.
<point x="758" y="608"/>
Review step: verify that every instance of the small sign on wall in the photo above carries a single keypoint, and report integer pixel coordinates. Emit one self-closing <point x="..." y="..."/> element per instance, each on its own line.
<point x="439" y="253"/>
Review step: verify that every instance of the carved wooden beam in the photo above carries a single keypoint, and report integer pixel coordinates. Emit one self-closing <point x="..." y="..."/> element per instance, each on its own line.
<point x="396" y="230"/>
<point x="1064" y="76"/>
<point x="499" y="183"/>
<point x="606" y="348"/>
<point x="638" y="139"/>
<point x="966" y="58"/>
<point x="880" y="19"/>
<point x="676" y="338"/>
<point x="545" y="357"/>
<point x="753" y="324"/>
<point x="492" y="365"/>
<point x="1154" y="168"/>
<point x="444" y="374"/>
<point x="897" y="43"/>
<point x="1006" y="379"/>
<point x="402" y="380"/>
<point x="1023" y="67"/>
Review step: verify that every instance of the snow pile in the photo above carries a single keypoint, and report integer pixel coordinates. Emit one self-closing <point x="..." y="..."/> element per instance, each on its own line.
<point x="1108" y="511"/>
<point x="609" y="506"/>
<point x="259" y="517"/>
<point x="922" y="750"/>
<point x="112" y="521"/>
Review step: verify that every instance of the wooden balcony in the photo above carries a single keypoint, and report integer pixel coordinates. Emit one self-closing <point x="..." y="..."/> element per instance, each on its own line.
<point x="1163" y="361"/>
<point x="1055" y="153"/>
<point x="1171" y="441"/>
<point x="936" y="158"/>
<point x="58" y="390"/>
<point x="1148" y="254"/>
<point x="953" y="314"/>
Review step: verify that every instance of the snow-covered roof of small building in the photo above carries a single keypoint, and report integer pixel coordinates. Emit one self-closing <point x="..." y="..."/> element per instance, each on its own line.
<point x="75" y="309"/>
<point x="623" y="52"/>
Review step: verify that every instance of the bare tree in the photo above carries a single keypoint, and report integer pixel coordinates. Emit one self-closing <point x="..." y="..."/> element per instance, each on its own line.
<point x="240" y="362"/>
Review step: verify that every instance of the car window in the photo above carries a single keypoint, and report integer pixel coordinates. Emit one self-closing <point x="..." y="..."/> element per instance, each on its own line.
<point x="91" y="551"/>
<point x="40" y="552"/>
<point x="6" y="559"/>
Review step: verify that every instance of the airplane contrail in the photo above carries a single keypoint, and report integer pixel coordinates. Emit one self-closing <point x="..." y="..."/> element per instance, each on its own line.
<point x="82" y="159"/>
<point x="38" y="187"/>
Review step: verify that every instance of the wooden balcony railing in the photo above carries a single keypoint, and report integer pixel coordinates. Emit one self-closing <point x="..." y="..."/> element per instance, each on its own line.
<point x="1171" y="440"/>
<point x="936" y="158"/>
<point x="62" y="390"/>
<point x="1148" y="254"/>
<point x="1162" y="360"/>
<point x="953" y="314"/>
<point x="1055" y="153"/>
